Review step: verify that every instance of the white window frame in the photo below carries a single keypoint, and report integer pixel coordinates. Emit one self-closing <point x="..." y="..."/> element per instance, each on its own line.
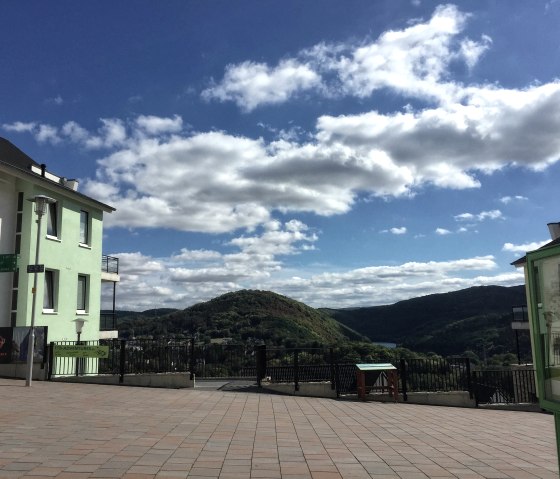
<point x="53" y="207"/>
<point x="53" y="300"/>
<point x="87" y="229"/>
<point x="83" y="286"/>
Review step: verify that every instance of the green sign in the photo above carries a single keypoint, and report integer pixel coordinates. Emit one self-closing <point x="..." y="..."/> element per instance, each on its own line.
<point x="80" y="351"/>
<point x="8" y="263"/>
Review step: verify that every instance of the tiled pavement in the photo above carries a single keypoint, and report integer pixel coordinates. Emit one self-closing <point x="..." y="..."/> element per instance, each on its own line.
<point x="80" y="431"/>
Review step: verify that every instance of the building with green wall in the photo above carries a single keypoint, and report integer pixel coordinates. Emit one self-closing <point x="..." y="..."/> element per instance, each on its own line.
<point x="70" y="250"/>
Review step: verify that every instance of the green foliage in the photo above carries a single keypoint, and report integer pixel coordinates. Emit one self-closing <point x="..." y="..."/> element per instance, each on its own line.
<point x="475" y="320"/>
<point x="245" y="316"/>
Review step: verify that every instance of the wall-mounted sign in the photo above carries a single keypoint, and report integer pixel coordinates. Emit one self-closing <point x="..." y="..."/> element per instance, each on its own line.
<point x="35" y="268"/>
<point x="80" y="351"/>
<point x="8" y="263"/>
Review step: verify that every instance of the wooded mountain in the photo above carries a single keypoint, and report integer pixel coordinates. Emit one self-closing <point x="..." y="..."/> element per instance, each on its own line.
<point x="244" y="316"/>
<point x="476" y="319"/>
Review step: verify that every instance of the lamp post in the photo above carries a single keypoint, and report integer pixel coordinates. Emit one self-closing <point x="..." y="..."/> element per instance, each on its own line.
<point x="79" y="327"/>
<point x="41" y="202"/>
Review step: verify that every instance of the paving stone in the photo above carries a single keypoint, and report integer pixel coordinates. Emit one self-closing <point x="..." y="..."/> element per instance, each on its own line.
<point x="77" y="431"/>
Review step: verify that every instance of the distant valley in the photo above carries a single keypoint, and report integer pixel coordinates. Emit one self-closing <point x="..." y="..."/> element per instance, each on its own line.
<point x="475" y="322"/>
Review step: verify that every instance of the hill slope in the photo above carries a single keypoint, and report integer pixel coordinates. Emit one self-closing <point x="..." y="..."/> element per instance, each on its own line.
<point x="246" y="316"/>
<point x="476" y="319"/>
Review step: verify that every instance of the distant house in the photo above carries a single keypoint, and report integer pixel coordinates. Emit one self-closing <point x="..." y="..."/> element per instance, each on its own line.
<point x="70" y="249"/>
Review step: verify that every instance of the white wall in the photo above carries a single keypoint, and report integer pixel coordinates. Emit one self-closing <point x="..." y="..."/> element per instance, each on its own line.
<point x="8" y="203"/>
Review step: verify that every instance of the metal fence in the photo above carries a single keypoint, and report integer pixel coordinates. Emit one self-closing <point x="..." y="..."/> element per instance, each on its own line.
<point x="296" y="365"/>
<point x="144" y="356"/>
<point x="435" y="375"/>
<point x="504" y="386"/>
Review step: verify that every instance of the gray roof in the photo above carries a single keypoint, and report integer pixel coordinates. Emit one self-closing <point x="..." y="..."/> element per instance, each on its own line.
<point x="9" y="153"/>
<point x="523" y="260"/>
<point x="11" y="157"/>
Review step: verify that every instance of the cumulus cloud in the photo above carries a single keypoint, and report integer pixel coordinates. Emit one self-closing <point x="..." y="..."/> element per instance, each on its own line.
<point x="158" y="175"/>
<point x="202" y="274"/>
<point x="483" y="215"/>
<point x="442" y="231"/>
<point x="190" y="282"/>
<point x="19" y="126"/>
<point x="523" y="248"/>
<point x="252" y="84"/>
<point x="413" y="61"/>
<point x="509" y="199"/>
<point x="396" y="230"/>
<point x="156" y="125"/>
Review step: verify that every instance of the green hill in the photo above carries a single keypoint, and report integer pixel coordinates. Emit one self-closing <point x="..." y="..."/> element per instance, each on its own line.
<point x="475" y="319"/>
<point x="245" y="316"/>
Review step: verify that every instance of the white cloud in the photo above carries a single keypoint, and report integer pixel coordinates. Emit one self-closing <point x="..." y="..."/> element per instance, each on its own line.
<point x="156" y="125"/>
<point x="412" y="61"/>
<point x="398" y="231"/>
<point x="523" y="248"/>
<point x="442" y="231"/>
<point x="195" y="275"/>
<point x="509" y="199"/>
<point x="253" y="84"/>
<point x="483" y="215"/>
<point x="19" y="126"/>
<point x="188" y="283"/>
<point x="57" y="100"/>
<point x="47" y="134"/>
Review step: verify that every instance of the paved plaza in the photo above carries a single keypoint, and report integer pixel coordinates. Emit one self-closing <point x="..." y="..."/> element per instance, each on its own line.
<point x="81" y="431"/>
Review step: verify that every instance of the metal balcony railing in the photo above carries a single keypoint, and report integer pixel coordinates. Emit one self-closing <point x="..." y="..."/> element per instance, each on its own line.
<point x="109" y="264"/>
<point x="108" y="322"/>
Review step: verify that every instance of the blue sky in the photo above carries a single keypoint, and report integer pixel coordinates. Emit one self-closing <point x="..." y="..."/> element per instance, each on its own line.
<point x="342" y="153"/>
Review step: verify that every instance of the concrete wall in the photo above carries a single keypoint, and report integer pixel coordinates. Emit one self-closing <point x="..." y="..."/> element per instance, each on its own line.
<point x="305" y="389"/>
<point x="455" y="398"/>
<point x="170" y="381"/>
<point x="19" y="370"/>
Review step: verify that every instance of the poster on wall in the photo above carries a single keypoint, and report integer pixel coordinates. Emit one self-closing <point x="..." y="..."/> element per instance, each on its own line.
<point x="20" y="341"/>
<point x="5" y="345"/>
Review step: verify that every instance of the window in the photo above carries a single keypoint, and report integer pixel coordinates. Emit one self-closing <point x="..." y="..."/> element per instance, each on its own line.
<point x="49" y="293"/>
<point x="52" y="220"/>
<point x="81" y="305"/>
<point x="84" y="227"/>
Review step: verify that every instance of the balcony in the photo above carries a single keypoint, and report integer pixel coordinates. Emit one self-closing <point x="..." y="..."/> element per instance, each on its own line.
<point x="519" y="317"/>
<point x="109" y="264"/>
<point x="108" y="321"/>
<point x="110" y="269"/>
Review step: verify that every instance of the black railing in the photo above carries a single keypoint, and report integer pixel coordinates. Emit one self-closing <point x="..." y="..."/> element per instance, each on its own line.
<point x="504" y="386"/>
<point x="296" y="366"/>
<point x="435" y="375"/>
<point x="107" y="322"/>
<point x="109" y="264"/>
<point x="223" y="361"/>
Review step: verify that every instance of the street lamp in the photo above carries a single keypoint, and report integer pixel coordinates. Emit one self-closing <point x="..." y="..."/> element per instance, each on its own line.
<point x="41" y="202"/>
<point x="79" y="327"/>
<point x="79" y="361"/>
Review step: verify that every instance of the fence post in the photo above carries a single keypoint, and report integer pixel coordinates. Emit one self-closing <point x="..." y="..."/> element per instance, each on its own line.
<point x="333" y="376"/>
<point x="122" y="361"/>
<point x="469" y="382"/>
<point x="191" y="367"/>
<point x="296" y="370"/>
<point x="51" y="361"/>
<point x="260" y="366"/>
<point x="403" y="380"/>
